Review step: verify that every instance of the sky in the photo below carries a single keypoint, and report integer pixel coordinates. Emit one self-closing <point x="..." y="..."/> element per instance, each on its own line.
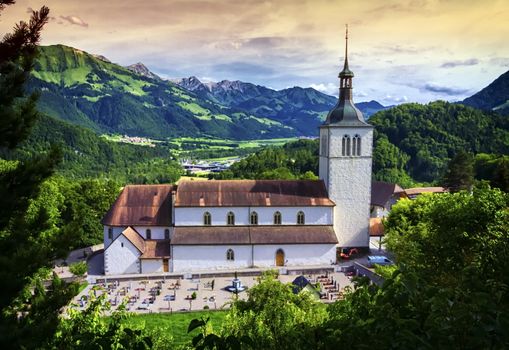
<point x="400" y="51"/>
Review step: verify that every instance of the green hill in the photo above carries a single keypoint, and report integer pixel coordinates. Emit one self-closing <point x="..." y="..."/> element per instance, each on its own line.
<point x="85" y="154"/>
<point x="85" y="90"/>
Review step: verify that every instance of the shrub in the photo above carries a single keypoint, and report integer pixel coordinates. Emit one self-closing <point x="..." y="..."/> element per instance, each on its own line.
<point x="79" y="268"/>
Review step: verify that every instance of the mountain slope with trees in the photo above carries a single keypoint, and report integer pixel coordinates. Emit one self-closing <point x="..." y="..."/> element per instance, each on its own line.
<point x="494" y="97"/>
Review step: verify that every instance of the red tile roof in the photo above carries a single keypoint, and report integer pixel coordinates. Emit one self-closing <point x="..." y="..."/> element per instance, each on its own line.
<point x="233" y="193"/>
<point x="156" y="249"/>
<point x="381" y="192"/>
<point x="243" y="235"/>
<point x="143" y="205"/>
<point x="135" y="238"/>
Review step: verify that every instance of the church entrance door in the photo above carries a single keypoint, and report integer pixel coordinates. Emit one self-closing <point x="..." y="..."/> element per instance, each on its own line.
<point x="280" y="257"/>
<point x="165" y="265"/>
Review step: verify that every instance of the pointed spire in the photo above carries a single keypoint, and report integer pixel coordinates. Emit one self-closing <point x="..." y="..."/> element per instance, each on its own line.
<point x="346" y="48"/>
<point x="346" y="72"/>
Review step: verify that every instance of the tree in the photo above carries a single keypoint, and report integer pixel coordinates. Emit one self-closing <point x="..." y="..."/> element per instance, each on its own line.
<point x="274" y="317"/>
<point x="460" y="172"/>
<point x="24" y="244"/>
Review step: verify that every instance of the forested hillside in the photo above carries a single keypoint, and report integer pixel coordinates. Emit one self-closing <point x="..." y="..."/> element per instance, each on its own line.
<point x="86" y="154"/>
<point x="83" y="89"/>
<point x="494" y="97"/>
<point x="413" y="144"/>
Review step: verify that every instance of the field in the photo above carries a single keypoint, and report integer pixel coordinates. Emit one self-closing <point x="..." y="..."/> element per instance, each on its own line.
<point x="176" y="324"/>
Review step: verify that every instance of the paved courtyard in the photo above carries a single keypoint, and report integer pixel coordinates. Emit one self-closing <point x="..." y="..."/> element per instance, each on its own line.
<point x="173" y="295"/>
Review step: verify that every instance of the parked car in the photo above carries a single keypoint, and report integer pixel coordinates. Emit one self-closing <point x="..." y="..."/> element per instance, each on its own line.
<point x="378" y="260"/>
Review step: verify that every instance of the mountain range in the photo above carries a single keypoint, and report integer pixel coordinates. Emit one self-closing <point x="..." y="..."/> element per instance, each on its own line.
<point x="90" y="91"/>
<point x="494" y="97"/>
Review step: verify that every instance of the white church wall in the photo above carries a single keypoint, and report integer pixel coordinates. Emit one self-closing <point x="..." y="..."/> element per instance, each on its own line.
<point x="151" y="265"/>
<point x="200" y="257"/>
<point x="194" y="216"/>
<point x="121" y="257"/>
<point x="157" y="232"/>
<point x="313" y="215"/>
<point x="295" y="254"/>
<point x="116" y="232"/>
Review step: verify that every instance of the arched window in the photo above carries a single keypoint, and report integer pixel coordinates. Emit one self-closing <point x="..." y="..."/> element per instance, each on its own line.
<point x="356" y="146"/>
<point x="230" y="255"/>
<point x="230" y="218"/>
<point x="207" y="219"/>
<point x="300" y="218"/>
<point x="149" y="233"/>
<point x="167" y="233"/>
<point x="277" y="218"/>
<point x="345" y="146"/>
<point x="348" y="146"/>
<point x="110" y="233"/>
<point x="254" y="218"/>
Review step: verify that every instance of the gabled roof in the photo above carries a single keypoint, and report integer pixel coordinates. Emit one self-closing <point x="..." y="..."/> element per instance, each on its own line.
<point x="381" y="192"/>
<point x="143" y="205"/>
<point x="244" y="235"/>
<point x="135" y="238"/>
<point x="156" y="249"/>
<point x="233" y="193"/>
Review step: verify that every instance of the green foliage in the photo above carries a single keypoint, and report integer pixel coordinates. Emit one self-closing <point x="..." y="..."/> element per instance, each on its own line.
<point x="89" y="329"/>
<point x="275" y="317"/>
<point x="493" y="168"/>
<point x="79" y="268"/>
<point x="460" y="172"/>
<point x="390" y="163"/>
<point x="432" y="134"/>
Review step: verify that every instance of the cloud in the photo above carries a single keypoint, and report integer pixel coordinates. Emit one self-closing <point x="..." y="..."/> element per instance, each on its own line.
<point x="329" y="88"/>
<point x="452" y="64"/>
<point x="75" y="20"/>
<point x="500" y="61"/>
<point x="389" y="99"/>
<point x="445" y="90"/>
<point x="242" y="69"/>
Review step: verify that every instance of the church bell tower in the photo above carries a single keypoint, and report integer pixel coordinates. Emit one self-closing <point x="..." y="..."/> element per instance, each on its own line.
<point x="346" y="147"/>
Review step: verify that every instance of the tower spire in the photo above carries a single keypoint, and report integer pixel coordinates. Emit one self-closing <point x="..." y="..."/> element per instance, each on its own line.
<point x="346" y="48"/>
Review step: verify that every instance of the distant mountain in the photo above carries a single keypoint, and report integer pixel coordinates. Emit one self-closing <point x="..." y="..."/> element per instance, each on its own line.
<point x="300" y="108"/>
<point x="140" y="69"/>
<point x="80" y="88"/>
<point x="494" y="97"/>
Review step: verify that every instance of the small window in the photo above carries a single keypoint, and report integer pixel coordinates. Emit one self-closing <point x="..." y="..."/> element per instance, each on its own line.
<point x="358" y="145"/>
<point x="300" y="218"/>
<point x="348" y="146"/>
<point x="122" y="244"/>
<point x="207" y="219"/>
<point x="110" y="233"/>
<point x="323" y="145"/>
<point x="254" y="218"/>
<point x="149" y="233"/>
<point x="277" y="218"/>
<point x="230" y="255"/>
<point x="230" y="218"/>
<point x="345" y="146"/>
<point x="167" y="233"/>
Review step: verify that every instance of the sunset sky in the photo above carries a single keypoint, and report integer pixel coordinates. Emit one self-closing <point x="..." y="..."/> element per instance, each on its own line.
<point x="411" y="50"/>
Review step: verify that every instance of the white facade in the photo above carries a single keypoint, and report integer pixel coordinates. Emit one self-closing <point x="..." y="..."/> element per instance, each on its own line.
<point x="157" y="232"/>
<point x="151" y="265"/>
<point x="121" y="257"/>
<point x="206" y="257"/>
<point x="315" y="215"/>
<point x="348" y="182"/>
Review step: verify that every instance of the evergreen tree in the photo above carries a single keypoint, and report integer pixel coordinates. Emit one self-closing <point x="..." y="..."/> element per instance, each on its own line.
<point x="25" y="244"/>
<point x="460" y="172"/>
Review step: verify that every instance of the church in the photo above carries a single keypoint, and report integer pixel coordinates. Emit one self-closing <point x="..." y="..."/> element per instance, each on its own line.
<point x="234" y="224"/>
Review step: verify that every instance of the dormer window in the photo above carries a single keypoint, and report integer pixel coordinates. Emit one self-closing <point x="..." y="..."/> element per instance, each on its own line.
<point x="207" y="219"/>
<point x="230" y="219"/>
<point x="277" y="218"/>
